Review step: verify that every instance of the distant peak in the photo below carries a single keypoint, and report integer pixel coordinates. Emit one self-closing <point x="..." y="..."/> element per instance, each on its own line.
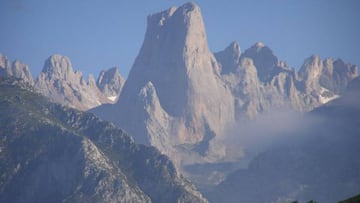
<point x="161" y="18"/>
<point x="58" y="57"/>
<point x="259" y="45"/>
<point x="234" y="50"/>
<point x="114" y="70"/>
<point x="234" y="46"/>
<point x="58" y="65"/>
<point x="313" y="59"/>
<point x="172" y="10"/>
<point x="4" y="62"/>
<point x="110" y="73"/>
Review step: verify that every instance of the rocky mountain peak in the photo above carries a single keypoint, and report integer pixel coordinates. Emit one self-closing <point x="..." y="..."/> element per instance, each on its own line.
<point x="15" y="69"/>
<point x="311" y="68"/>
<point x="175" y="43"/>
<point x="58" y="66"/>
<point x="21" y="70"/>
<point x="183" y="26"/>
<point x="92" y="81"/>
<point x="59" y="82"/>
<point x="4" y="61"/>
<point x="234" y="48"/>
<point x="175" y="63"/>
<point x="334" y="75"/>
<point x="5" y="67"/>
<point x="110" y="83"/>
<point x="264" y="60"/>
<point x="229" y="58"/>
<point x="259" y="45"/>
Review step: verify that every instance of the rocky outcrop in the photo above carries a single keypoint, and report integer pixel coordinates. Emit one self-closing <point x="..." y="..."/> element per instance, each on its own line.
<point x="229" y="58"/>
<point x="110" y="83"/>
<point x="264" y="60"/>
<point x="61" y="84"/>
<point x="334" y="75"/>
<point x="16" y="69"/>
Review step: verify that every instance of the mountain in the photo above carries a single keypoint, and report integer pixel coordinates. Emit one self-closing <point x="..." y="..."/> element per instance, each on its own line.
<point x="51" y="153"/>
<point x="59" y="82"/>
<point x="320" y="162"/>
<point x="16" y="69"/>
<point x="174" y="87"/>
<point x="260" y="81"/>
<point x="182" y="99"/>
<point x="329" y="75"/>
<point x="110" y="83"/>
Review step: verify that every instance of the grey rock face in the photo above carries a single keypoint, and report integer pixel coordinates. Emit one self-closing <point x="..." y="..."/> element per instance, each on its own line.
<point x="5" y="67"/>
<point x="229" y="58"/>
<point x="110" y="83"/>
<point x="264" y="60"/>
<point x="61" y="84"/>
<point x="56" y="154"/>
<point x="333" y="75"/>
<point x="21" y="70"/>
<point x="178" y="80"/>
<point x="17" y="69"/>
<point x="276" y="85"/>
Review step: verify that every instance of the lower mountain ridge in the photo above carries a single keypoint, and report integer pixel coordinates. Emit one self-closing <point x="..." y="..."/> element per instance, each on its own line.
<point x="51" y="153"/>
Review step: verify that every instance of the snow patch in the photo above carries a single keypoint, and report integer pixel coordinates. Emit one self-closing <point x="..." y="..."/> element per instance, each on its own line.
<point x="260" y="45"/>
<point x="112" y="98"/>
<point x="325" y="99"/>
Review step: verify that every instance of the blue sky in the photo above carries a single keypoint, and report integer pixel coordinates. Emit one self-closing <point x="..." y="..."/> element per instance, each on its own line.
<point x="99" y="34"/>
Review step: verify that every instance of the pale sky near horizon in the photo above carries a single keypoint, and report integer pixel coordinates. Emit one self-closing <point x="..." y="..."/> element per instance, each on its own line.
<point x="100" y="34"/>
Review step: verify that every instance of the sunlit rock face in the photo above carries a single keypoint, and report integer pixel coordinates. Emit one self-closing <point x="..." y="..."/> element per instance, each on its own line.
<point x="331" y="74"/>
<point x="61" y="84"/>
<point x="177" y="81"/>
<point x="110" y="83"/>
<point x="15" y="69"/>
<point x="260" y="81"/>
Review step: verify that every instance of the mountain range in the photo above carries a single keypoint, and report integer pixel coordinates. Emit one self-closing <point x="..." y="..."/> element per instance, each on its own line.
<point x="59" y="82"/>
<point x="187" y="102"/>
<point x="182" y="98"/>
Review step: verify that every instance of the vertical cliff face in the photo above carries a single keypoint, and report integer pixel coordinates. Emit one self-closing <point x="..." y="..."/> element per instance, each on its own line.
<point x="176" y="64"/>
